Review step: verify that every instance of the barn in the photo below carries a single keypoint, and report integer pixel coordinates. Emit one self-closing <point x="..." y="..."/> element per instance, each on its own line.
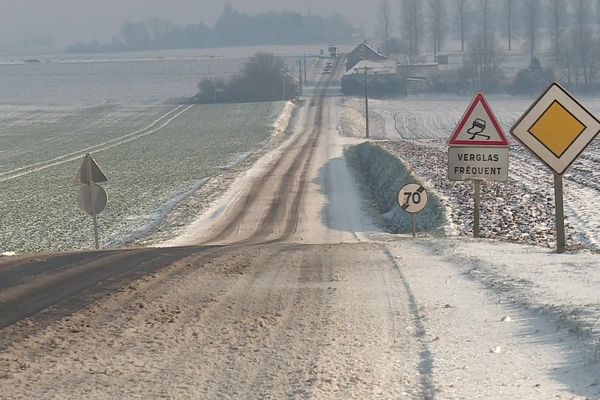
<point x="363" y="52"/>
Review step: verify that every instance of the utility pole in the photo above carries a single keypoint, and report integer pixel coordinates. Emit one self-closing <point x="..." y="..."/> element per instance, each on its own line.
<point x="366" y="103"/>
<point x="284" y="72"/>
<point x="299" y="77"/>
<point x="366" y="68"/>
<point x="305" y="79"/>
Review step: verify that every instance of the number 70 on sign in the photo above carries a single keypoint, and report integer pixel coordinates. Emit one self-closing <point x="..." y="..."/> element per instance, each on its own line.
<point x="413" y="198"/>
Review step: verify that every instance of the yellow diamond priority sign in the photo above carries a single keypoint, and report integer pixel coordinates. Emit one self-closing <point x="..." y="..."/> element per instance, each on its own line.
<point x="556" y="128"/>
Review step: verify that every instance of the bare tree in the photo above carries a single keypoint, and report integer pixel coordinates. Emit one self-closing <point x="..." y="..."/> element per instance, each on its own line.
<point x="566" y="63"/>
<point x="436" y="22"/>
<point x="597" y="14"/>
<point x="587" y="57"/>
<point x="558" y="12"/>
<point x="384" y="19"/>
<point x="532" y="11"/>
<point x="485" y="22"/>
<point x="461" y="14"/>
<point x="482" y="68"/>
<point x="411" y="22"/>
<point x="509" y="12"/>
<point x="483" y="44"/>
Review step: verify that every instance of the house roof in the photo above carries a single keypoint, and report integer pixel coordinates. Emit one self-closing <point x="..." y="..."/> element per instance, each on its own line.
<point x="362" y="52"/>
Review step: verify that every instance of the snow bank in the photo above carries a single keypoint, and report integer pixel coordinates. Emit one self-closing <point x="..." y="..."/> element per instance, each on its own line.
<point x="353" y="121"/>
<point x="563" y="287"/>
<point x="281" y="124"/>
<point x="384" y="175"/>
<point x="145" y="225"/>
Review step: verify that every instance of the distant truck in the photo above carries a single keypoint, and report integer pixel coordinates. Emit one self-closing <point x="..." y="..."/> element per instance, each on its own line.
<point x="333" y="50"/>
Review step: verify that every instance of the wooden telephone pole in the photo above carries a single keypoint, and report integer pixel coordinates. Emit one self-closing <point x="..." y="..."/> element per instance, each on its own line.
<point x="366" y="68"/>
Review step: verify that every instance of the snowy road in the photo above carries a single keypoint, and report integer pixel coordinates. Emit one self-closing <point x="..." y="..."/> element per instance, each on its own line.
<point x="293" y="293"/>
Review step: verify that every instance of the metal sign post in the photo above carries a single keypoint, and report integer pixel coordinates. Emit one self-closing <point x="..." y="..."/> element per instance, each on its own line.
<point x="557" y="129"/>
<point x="477" y="207"/>
<point x="478" y="151"/>
<point x="93" y="204"/>
<point x="561" y="242"/>
<point x="92" y="197"/>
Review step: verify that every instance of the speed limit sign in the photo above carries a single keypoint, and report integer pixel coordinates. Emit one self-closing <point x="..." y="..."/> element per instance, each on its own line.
<point x="413" y="198"/>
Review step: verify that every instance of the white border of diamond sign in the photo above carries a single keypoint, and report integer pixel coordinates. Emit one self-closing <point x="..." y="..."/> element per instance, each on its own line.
<point x="556" y="93"/>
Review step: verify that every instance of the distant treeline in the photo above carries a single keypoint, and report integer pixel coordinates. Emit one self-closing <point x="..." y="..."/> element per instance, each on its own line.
<point x="232" y="29"/>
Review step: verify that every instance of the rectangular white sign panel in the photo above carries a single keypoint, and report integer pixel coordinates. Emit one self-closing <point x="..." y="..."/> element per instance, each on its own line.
<point x="478" y="163"/>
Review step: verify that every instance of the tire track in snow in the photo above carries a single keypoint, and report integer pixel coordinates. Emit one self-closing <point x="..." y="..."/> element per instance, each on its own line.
<point x="154" y="127"/>
<point x="17" y="170"/>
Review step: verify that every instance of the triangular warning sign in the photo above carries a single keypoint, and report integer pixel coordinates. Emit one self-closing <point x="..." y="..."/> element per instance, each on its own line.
<point x="479" y="127"/>
<point x="90" y="172"/>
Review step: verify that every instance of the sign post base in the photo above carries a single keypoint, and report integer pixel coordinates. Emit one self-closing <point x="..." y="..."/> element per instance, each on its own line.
<point x="477" y="207"/>
<point x="560" y="214"/>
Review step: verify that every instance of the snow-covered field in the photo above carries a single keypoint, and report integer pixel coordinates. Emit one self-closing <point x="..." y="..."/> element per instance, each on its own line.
<point x="156" y="158"/>
<point x="531" y="279"/>
<point x="522" y="210"/>
<point x="123" y="109"/>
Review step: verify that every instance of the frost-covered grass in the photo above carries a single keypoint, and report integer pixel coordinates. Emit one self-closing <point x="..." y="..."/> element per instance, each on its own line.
<point x="384" y="175"/>
<point x="30" y="134"/>
<point x="562" y="287"/>
<point x="146" y="172"/>
<point x="520" y="210"/>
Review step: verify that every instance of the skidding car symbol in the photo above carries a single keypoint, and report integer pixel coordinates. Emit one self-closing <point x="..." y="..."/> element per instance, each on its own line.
<point x="477" y="129"/>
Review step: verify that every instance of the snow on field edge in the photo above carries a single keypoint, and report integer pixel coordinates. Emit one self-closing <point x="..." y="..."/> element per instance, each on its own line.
<point x="192" y="232"/>
<point x="281" y="124"/>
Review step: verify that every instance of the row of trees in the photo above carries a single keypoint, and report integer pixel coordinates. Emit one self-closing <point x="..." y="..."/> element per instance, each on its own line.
<point x="232" y="29"/>
<point x="564" y="34"/>
<point x="264" y="77"/>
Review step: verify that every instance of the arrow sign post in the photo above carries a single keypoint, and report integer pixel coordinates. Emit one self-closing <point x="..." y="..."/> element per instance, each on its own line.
<point x="92" y="197"/>
<point x="478" y="151"/>
<point x="557" y="129"/>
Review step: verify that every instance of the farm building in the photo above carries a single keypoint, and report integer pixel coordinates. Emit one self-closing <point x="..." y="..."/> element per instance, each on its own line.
<point x="383" y="78"/>
<point x="362" y="52"/>
<point x="386" y="76"/>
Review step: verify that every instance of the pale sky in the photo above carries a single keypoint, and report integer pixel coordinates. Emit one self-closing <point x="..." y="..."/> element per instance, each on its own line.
<point x="67" y="21"/>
